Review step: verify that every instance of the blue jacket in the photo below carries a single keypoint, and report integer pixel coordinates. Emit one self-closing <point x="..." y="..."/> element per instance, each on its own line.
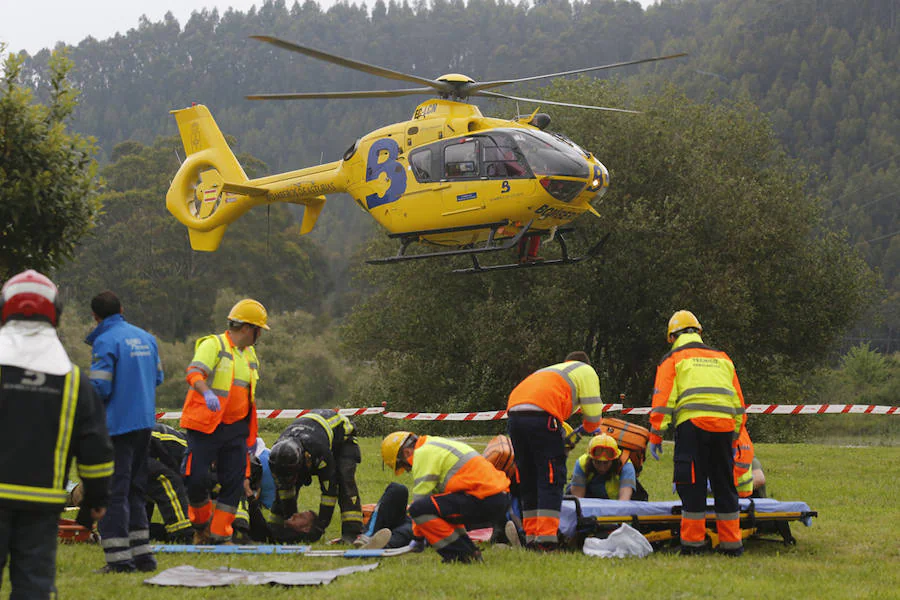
<point x="125" y="370"/>
<point x="267" y="489"/>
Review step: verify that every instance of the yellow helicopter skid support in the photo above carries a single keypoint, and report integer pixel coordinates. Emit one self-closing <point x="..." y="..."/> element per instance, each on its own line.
<point x="211" y="190"/>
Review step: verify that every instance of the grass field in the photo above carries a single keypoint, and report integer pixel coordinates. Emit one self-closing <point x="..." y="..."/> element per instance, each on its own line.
<point x="851" y="550"/>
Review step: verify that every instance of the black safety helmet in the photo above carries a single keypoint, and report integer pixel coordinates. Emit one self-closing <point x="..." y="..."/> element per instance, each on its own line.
<point x="286" y="457"/>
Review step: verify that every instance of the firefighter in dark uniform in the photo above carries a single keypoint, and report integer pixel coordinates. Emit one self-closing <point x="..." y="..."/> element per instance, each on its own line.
<point x="165" y="488"/>
<point x="319" y="443"/>
<point x="47" y="406"/>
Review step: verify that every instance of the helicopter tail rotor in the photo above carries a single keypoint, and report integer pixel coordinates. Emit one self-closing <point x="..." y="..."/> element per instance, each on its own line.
<point x="210" y="189"/>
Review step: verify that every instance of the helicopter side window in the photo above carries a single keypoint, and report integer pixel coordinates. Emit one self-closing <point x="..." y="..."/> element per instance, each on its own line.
<point x="501" y="163"/>
<point x="420" y="161"/>
<point x="461" y="160"/>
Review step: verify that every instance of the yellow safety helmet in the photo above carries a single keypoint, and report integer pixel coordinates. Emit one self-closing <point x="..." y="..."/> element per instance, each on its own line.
<point x="251" y="312"/>
<point x="390" y="449"/>
<point x="683" y="319"/>
<point x="604" y="447"/>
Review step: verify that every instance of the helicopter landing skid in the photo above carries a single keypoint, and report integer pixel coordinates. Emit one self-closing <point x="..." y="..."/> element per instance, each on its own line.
<point x="490" y="245"/>
<point x="565" y="259"/>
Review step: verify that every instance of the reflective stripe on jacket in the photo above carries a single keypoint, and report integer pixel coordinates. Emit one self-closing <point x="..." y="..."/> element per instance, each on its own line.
<point x="698" y="383"/>
<point x="213" y="360"/>
<point x="559" y="389"/>
<point x="48" y="420"/>
<point x="443" y="466"/>
<point x="743" y="463"/>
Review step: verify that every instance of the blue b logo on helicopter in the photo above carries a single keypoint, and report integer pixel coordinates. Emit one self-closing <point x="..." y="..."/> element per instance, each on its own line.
<point x="394" y="171"/>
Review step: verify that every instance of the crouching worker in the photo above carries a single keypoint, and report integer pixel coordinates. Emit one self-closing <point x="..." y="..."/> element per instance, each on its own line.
<point x="319" y="443"/>
<point x="601" y="473"/>
<point x="454" y="486"/>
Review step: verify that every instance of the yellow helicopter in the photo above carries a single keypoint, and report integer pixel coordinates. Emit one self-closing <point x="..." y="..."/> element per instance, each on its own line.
<point x="449" y="178"/>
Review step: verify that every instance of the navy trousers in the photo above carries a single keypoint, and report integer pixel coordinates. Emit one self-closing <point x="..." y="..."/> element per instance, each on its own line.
<point x="28" y="543"/>
<point x="124" y="530"/>
<point x="541" y="460"/>
<point x="390" y="513"/>
<point x="227" y="447"/>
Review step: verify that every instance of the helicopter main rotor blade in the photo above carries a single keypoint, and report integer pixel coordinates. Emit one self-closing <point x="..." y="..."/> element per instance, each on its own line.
<point x="569" y="104"/>
<point x="351" y="64"/>
<point x="486" y="85"/>
<point x="344" y="95"/>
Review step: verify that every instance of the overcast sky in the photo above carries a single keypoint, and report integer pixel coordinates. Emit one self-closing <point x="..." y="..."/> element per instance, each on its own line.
<point x="31" y="25"/>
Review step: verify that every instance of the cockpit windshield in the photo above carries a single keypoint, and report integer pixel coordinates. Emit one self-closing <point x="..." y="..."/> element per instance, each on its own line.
<point x="548" y="155"/>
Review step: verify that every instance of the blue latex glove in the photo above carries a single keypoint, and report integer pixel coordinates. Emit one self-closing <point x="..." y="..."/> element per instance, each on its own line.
<point x="674" y="488"/>
<point x="212" y="401"/>
<point x="417" y="545"/>
<point x="656" y="451"/>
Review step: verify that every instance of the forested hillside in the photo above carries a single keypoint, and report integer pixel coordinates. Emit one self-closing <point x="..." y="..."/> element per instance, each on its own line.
<point x="824" y="71"/>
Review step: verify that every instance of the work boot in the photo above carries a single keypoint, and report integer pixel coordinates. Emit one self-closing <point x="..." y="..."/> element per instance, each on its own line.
<point x="464" y="559"/>
<point x="542" y="547"/>
<point x="201" y="537"/>
<point x="692" y="550"/>
<point x="732" y="552"/>
<point x="512" y="535"/>
<point x="108" y="568"/>
<point x="378" y="540"/>
<point x="145" y="564"/>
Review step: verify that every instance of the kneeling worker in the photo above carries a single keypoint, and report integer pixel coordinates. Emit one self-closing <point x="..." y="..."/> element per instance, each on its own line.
<point x="454" y="486"/>
<point x="319" y="443"/>
<point x="601" y="474"/>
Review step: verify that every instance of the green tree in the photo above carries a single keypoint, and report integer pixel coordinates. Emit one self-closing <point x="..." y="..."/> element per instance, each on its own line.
<point x="48" y="175"/>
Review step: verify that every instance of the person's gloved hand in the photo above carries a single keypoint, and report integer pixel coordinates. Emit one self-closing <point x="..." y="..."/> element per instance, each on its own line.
<point x="417" y="545"/>
<point x="674" y="488"/>
<point x="212" y="401"/>
<point x="656" y="450"/>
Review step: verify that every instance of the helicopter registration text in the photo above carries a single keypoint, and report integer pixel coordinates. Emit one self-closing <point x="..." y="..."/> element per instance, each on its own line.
<point x="424" y="111"/>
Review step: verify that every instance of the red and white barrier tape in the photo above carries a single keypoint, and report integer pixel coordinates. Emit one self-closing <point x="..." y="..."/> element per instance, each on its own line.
<point x="494" y="415"/>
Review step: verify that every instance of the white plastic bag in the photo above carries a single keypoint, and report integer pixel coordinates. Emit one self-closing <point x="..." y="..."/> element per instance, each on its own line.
<point x="624" y="541"/>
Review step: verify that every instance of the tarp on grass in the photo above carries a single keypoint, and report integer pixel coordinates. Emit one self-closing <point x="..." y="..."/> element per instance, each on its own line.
<point x="188" y="576"/>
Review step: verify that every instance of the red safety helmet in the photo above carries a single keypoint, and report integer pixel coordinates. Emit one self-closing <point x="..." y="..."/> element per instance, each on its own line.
<point x="30" y="296"/>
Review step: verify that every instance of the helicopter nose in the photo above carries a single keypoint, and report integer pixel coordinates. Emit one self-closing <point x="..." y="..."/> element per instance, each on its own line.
<point x="599" y="181"/>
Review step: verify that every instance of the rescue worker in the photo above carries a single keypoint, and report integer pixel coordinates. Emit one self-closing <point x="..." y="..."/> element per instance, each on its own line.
<point x="600" y="473"/>
<point x="165" y="489"/>
<point x="50" y="415"/>
<point x="453" y="486"/>
<point x="698" y="388"/>
<point x="219" y="415"/>
<point x="537" y="408"/>
<point x="320" y="443"/>
<point x="125" y="372"/>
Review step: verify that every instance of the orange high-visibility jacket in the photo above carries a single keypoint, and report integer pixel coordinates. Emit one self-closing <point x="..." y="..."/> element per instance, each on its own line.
<point x="559" y="388"/>
<point x="214" y="360"/>
<point x="743" y="464"/>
